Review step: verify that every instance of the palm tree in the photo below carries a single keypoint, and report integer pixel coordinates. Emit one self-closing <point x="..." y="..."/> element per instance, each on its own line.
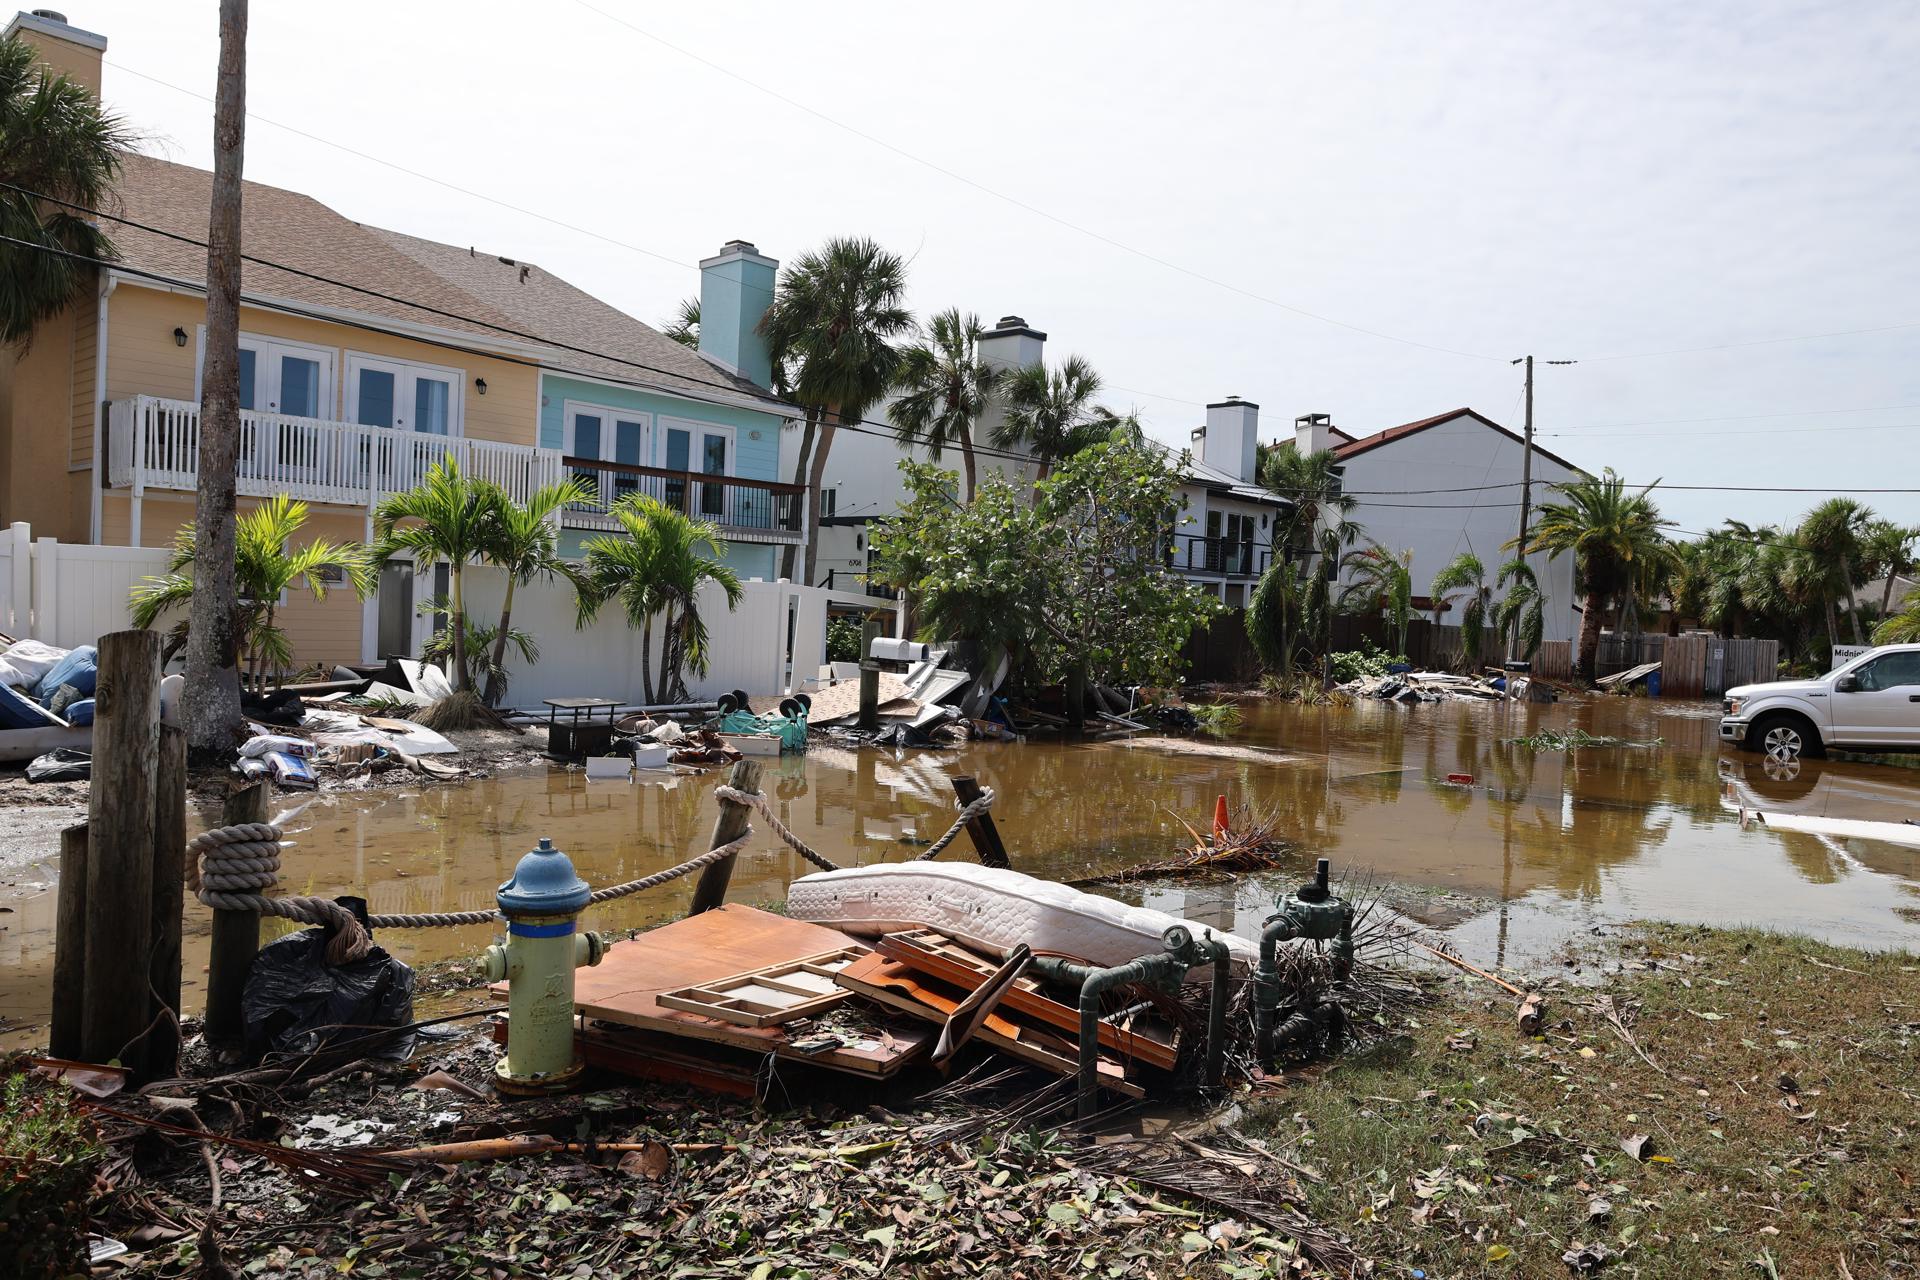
<point x="1610" y="533"/>
<point x="1902" y="627"/>
<point x="684" y="328"/>
<point x="1891" y="551"/>
<point x="526" y="544"/>
<point x="447" y="517"/>
<point x="1465" y="579"/>
<point x="489" y="643"/>
<point x="830" y="332"/>
<point x="1320" y="523"/>
<point x="1381" y="582"/>
<point x="1832" y="540"/>
<point x="266" y="566"/>
<point x="944" y="387"/>
<point x="1521" y="613"/>
<point x="57" y="143"/>
<point x="656" y="570"/>
<point x="1051" y="414"/>
<point x="1271" y="613"/>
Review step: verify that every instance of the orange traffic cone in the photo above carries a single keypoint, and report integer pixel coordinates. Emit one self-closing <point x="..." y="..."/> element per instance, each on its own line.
<point x="1219" y="819"/>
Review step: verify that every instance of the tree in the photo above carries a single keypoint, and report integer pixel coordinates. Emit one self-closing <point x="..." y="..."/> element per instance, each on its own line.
<point x="1609" y="532"/>
<point x="684" y="328"/>
<point x="836" y="311"/>
<point x="266" y="565"/>
<point x="1465" y="579"/>
<point x="1902" y="627"/>
<point x="1381" y="583"/>
<point x="1832" y="540"/>
<point x="1051" y="414"/>
<point x="1521" y="613"/>
<point x="1891" y="551"/>
<point x="1320" y="524"/>
<point x="526" y="545"/>
<point x="488" y="644"/>
<point x="944" y="387"/>
<point x="448" y="517"/>
<point x="1272" y="613"/>
<point x="655" y="570"/>
<point x="211" y="706"/>
<point x="58" y="143"/>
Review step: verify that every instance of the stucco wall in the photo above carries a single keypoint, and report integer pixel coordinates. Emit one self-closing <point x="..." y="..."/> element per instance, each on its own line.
<point x="1460" y="454"/>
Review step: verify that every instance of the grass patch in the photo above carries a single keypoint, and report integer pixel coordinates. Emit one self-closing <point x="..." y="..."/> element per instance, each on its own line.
<point x="1774" y="1107"/>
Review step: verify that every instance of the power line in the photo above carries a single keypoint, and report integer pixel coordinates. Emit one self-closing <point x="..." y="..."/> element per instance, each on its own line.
<point x="1015" y="200"/>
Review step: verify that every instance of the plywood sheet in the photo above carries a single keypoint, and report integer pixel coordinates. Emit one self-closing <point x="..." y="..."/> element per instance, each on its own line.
<point x="840" y="700"/>
<point x="713" y="945"/>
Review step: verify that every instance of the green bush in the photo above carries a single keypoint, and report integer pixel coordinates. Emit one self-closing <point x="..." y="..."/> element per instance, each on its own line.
<point x="48" y="1150"/>
<point x="1363" y="663"/>
<point x="843" y="638"/>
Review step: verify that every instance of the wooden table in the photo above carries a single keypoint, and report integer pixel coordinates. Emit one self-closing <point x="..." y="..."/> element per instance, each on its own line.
<point x="582" y="733"/>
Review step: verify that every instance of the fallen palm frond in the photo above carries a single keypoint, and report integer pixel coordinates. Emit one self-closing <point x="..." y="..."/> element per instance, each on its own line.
<point x="462" y="709"/>
<point x="1217" y="718"/>
<point x="1554" y="740"/>
<point x="345" y="1170"/>
<point x="1245" y="844"/>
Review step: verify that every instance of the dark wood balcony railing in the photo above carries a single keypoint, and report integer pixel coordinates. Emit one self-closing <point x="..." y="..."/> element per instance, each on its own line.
<point x="768" y="508"/>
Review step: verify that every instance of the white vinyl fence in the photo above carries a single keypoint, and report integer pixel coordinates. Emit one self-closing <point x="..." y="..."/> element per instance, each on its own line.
<point x="69" y="595"/>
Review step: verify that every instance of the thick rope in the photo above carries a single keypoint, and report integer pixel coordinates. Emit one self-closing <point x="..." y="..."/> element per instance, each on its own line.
<point x="761" y="805"/>
<point x="968" y="812"/>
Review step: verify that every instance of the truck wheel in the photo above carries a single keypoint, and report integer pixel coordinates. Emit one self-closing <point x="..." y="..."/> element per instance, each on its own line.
<point x="1783" y="735"/>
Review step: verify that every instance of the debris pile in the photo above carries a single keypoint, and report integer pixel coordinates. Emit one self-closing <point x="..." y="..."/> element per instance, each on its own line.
<point x="1443" y="686"/>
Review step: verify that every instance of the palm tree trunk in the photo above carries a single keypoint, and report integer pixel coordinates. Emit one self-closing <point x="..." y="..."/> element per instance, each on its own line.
<point x="212" y="702"/>
<point x="966" y="458"/>
<point x="1853" y="609"/>
<point x="1590" y="633"/>
<point x="802" y="468"/>
<point x="457" y="619"/>
<point x="646" y="660"/>
<point x="816" y="473"/>
<point x="1833" y="622"/>
<point x="494" y="691"/>
<point x="1040" y="475"/>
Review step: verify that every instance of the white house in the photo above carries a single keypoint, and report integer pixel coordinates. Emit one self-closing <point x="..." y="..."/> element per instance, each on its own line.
<point x="1447" y="484"/>
<point x="1222" y="542"/>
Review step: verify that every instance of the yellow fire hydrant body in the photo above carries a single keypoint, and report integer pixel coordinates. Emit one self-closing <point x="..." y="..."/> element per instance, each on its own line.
<point x="542" y="904"/>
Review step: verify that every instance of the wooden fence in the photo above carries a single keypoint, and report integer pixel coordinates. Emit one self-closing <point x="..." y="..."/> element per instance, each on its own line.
<point x="1695" y="665"/>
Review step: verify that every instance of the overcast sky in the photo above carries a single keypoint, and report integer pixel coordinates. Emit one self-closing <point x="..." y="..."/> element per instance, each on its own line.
<point x="1171" y="190"/>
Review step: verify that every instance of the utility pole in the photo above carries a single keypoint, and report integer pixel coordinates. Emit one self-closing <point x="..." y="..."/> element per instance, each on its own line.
<point x="212" y="702"/>
<point x="1526" y="479"/>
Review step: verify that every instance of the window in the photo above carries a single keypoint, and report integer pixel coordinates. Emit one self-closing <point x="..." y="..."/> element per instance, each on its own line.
<point x="1893" y="671"/>
<point x="829" y="499"/>
<point x="278" y="376"/>
<point x="595" y="432"/>
<point x="403" y="395"/>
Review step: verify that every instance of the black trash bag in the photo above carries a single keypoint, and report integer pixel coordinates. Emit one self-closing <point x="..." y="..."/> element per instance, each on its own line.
<point x="295" y="1002"/>
<point x="281" y="707"/>
<point x="62" y="764"/>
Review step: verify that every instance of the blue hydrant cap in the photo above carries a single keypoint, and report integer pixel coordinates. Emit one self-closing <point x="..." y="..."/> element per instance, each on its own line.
<point x="544" y="882"/>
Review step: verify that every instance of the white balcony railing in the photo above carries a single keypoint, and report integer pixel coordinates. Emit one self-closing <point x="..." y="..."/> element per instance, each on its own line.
<point x="155" y="444"/>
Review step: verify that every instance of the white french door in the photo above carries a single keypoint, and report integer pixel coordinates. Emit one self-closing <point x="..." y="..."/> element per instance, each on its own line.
<point x="404" y="396"/>
<point x="290" y="380"/>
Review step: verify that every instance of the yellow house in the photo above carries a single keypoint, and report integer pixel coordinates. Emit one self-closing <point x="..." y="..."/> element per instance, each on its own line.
<point x="366" y="356"/>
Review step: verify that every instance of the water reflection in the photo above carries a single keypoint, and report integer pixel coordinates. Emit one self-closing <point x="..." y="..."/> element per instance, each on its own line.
<point x="1564" y="838"/>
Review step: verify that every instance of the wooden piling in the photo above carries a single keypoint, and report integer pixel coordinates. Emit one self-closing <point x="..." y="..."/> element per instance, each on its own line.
<point x="69" y="945"/>
<point x="236" y="936"/>
<point x="711" y="890"/>
<point x="985" y="836"/>
<point x="169" y="901"/>
<point x="120" y="811"/>
<point x="869" y="677"/>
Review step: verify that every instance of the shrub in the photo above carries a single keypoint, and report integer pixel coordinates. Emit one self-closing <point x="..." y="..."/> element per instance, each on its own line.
<point x="1364" y="663"/>
<point x="843" y="638"/>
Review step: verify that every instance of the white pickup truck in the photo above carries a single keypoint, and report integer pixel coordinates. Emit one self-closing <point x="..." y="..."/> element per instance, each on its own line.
<point x="1871" y="703"/>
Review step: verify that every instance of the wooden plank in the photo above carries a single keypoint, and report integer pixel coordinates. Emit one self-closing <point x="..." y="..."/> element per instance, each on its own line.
<point x="169" y="901"/>
<point x="940" y="957"/>
<point x="896" y="986"/>
<point x="69" y="945"/>
<point x="625" y="986"/>
<point x="762" y="998"/>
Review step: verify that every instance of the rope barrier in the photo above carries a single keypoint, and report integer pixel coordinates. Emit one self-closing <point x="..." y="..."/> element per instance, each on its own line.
<point x="232" y="867"/>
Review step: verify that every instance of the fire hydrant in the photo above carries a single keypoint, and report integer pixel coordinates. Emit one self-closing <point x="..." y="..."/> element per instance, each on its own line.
<point x="542" y="904"/>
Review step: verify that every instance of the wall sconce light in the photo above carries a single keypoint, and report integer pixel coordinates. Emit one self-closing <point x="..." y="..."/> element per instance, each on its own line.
<point x="480" y="385"/>
<point x="179" y="336"/>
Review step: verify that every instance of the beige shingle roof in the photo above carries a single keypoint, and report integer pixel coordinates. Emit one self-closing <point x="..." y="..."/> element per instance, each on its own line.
<point x="293" y="230"/>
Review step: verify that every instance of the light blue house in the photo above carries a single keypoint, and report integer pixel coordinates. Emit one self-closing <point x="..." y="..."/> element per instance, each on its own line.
<point x="699" y="430"/>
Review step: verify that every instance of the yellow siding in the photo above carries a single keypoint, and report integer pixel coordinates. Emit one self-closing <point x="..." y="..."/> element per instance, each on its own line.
<point x="85" y="349"/>
<point x="323" y="631"/>
<point x="143" y="360"/>
<point x="37" y="387"/>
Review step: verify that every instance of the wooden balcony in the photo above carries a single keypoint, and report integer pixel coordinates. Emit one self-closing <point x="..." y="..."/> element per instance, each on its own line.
<point x="155" y="444"/>
<point x="746" y="510"/>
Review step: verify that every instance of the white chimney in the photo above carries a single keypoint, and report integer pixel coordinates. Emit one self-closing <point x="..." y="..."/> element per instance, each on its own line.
<point x="1009" y="345"/>
<point x="1313" y="432"/>
<point x="1231" y="438"/>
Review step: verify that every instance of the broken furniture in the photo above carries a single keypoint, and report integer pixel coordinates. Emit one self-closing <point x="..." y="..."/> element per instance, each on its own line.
<point x="574" y="727"/>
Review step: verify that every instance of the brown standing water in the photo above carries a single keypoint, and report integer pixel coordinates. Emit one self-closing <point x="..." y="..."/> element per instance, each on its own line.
<point x="1540" y="845"/>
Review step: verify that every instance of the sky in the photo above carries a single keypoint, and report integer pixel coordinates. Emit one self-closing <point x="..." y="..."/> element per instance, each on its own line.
<point x="1366" y="210"/>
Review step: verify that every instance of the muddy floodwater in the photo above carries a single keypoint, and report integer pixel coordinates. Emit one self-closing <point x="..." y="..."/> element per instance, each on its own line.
<point x="1538" y="844"/>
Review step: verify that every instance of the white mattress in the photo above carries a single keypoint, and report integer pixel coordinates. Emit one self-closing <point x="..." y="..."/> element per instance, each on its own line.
<point x="993" y="910"/>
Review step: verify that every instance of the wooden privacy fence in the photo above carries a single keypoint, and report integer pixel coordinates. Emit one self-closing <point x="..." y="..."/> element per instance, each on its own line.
<point x="1695" y="665"/>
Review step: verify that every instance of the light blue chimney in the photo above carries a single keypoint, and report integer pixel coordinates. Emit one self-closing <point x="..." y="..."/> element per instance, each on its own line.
<point x="736" y="286"/>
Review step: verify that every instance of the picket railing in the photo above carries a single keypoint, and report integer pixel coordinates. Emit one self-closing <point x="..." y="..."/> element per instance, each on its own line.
<point x="154" y="443"/>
